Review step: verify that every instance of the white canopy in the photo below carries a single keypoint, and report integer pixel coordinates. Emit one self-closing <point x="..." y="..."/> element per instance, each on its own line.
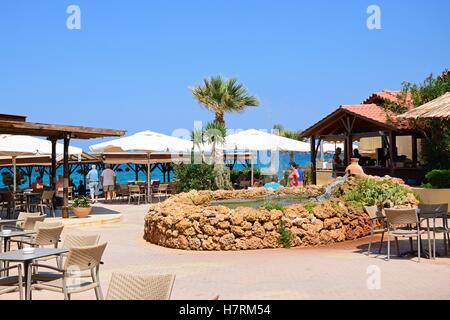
<point x="15" y="146"/>
<point x="11" y="145"/>
<point x="148" y="141"/>
<point x="259" y="140"/>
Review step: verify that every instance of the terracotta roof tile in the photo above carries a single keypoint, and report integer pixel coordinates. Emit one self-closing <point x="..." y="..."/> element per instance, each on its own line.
<point x="389" y="95"/>
<point x="377" y="113"/>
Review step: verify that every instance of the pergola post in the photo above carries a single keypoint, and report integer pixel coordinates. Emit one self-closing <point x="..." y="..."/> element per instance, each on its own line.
<point x="65" y="209"/>
<point x="252" y="175"/>
<point x="392" y="148"/>
<point x="414" y="148"/>
<point x="313" y="160"/>
<point x="53" y="168"/>
<point x="348" y="146"/>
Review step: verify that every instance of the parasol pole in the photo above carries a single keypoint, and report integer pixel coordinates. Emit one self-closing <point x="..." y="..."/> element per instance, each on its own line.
<point x="14" y="173"/>
<point x="149" y="189"/>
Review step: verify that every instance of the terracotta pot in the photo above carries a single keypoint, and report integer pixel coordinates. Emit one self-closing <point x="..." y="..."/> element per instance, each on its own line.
<point x="354" y="168"/>
<point x="82" y="212"/>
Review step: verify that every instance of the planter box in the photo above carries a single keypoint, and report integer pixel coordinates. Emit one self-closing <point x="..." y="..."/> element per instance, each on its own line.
<point x="433" y="196"/>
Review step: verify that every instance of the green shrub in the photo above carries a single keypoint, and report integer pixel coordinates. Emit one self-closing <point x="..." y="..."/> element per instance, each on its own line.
<point x="81" y="202"/>
<point x="286" y="236"/>
<point x="194" y="177"/>
<point x="272" y="206"/>
<point x="306" y="175"/>
<point x="369" y="192"/>
<point x="439" y="179"/>
<point x="247" y="172"/>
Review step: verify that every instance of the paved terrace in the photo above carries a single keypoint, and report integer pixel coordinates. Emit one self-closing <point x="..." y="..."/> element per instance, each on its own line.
<point x="338" y="272"/>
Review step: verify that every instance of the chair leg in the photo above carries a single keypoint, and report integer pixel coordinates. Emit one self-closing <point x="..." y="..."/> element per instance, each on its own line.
<point x="418" y="245"/>
<point x="389" y="246"/>
<point x="434" y="243"/>
<point x="397" y="244"/>
<point x="381" y="242"/>
<point x="371" y="238"/>
<point x="98" y="288"/>
<point x="66" y="294"/>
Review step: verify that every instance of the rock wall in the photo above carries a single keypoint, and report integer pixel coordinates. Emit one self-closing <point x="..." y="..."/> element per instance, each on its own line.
<point x="187" y="222"/>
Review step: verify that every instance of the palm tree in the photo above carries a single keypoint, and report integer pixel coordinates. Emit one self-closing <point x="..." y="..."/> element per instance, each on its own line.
<point x="214" y="134"/>
<point x="222" y="95"/>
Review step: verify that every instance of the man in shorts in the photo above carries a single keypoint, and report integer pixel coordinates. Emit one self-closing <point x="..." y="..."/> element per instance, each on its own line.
<point x="108" y="181"/>
<point x="92" y="180"/>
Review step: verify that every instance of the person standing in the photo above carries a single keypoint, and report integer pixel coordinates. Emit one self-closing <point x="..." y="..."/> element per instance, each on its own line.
<point x="337" y="161"/>
<point x="301" y="174"/>
<point x="81" y="189"/>
<point x="293" y="176"/>
<point x="92" y="180"/>
<point x="108" y="181"/>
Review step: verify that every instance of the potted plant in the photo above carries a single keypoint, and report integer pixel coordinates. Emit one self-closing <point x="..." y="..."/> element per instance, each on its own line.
<point x="437" y="190"/>
<point x="81" y="206"/>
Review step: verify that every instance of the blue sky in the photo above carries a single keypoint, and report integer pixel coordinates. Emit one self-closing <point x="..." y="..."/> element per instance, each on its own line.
<point x="130" y="65"/>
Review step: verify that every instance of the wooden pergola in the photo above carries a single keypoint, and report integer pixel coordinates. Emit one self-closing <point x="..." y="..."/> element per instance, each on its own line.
<point x="138" y="161"/>
<point x="17" y="125"/>
<point x="44" y="162"/>
<point x="352" y="122"/>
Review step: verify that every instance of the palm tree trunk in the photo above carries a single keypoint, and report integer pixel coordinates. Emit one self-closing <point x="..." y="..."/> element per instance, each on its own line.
<point x="220" y="117"/>
<point x="291" y="157"/>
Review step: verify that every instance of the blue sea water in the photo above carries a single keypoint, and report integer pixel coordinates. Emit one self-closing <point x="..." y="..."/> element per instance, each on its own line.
<point x="124" y="175"/>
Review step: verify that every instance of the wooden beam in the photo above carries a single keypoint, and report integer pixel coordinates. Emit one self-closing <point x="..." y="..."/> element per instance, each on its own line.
<point x="313" y="160"/>
<point x="348" y="149"/>
<point x="56" y="130"/>
<point x="392" y="145"/>
<point x="53" y="167"/>
<point x="414" y="149"/>
<point x="65" y="209"/>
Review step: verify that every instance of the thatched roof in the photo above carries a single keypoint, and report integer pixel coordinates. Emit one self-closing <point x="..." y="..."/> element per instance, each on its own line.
<point x="436" y="109"/>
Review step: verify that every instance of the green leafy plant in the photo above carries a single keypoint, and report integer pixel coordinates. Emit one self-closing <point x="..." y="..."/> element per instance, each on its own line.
<point x="381" y="193"/>
<point x="194" y="177"/>
<point x="272" y="206"/>
<point x="309" y="206"/>
<point x="81" y="202"/>
<point x="285" y="235"/>
<point x="438" y="179"/>
<point x="436" y="141"/>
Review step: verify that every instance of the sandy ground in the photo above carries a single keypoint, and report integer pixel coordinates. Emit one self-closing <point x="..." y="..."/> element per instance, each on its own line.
<point x="339" y="272"/>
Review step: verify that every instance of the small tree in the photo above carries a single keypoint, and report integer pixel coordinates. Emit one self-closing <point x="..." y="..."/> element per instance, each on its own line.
<point x="436" y="145"/>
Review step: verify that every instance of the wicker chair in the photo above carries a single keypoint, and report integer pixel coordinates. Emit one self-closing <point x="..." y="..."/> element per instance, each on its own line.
<point x="68" y="280"/>
<point x="163" y="192"/>
<point x="30" y="221"/>
<point x="129" y="286"/>
<point x="73" y="241"/>
<point x="47" y="234"/>
<point x="47" y="202"/>
<point x="402" y="218"/>
<point x="10" y="203"/>
<point x="375" y="216"/>
<point x="135" y="192"/>
<point x="12" y="283"/>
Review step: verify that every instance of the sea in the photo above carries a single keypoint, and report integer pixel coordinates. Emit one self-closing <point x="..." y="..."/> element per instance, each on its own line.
<point x="124" y="174"/>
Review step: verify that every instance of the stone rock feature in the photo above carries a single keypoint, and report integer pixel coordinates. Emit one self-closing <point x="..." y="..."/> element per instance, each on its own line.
<point x="187" y="221"/>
